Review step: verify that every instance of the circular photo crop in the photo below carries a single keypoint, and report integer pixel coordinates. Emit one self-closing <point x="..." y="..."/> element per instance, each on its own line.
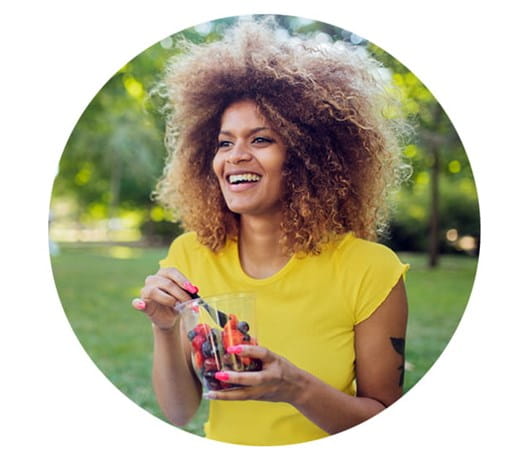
<point x="272" y="164"/>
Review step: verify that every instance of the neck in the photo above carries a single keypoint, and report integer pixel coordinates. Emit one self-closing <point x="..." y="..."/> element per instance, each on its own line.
<point x="259" y="251"/>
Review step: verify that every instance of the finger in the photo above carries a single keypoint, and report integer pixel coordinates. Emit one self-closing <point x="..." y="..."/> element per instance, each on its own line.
<point x="155" y="294"/>
<point x="138" y="304"/>
<point x="252" y="351"/>
<point x="242" y="393"/>
<point x="179" y="278"/>
<point x="245" y="378"/>
<point x="170" y="287"/>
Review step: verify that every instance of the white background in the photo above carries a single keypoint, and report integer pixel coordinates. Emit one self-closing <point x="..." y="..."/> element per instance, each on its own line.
<point x="57" y="55"/>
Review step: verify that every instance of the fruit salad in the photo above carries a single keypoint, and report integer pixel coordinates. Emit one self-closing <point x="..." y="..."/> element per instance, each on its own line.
<point x="209" y="351"/>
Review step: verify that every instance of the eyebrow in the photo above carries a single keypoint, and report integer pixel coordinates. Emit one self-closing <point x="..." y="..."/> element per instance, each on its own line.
<point x="251" y="132"/>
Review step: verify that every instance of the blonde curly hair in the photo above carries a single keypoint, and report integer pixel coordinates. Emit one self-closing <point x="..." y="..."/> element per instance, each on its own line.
<point x="329" y="105"/>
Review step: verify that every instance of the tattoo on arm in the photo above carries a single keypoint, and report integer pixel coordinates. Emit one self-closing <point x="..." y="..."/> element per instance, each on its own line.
<point x="398" y="345"/>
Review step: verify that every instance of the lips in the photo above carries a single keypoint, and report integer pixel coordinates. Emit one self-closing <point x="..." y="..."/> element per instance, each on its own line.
<point x="241" y="180"/>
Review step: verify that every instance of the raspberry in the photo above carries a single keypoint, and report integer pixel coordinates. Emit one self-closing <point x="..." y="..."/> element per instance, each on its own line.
<point x="202" y="329"/>
<point x="210" y="365"/>
<point x="197" y="342"/>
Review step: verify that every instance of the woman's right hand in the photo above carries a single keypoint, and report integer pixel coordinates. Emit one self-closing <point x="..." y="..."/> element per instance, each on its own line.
<point x="161" y="293"/>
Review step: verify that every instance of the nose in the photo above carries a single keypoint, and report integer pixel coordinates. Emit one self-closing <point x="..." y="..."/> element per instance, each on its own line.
<point x="239" y="153"/>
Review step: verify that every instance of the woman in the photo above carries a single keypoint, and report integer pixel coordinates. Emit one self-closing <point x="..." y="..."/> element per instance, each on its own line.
<point x="281" y="159"/>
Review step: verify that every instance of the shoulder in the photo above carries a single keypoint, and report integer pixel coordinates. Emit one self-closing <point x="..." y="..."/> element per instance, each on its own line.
<point x="183" y="247"/>
<point x="364" y="252"/>
<point x="187" y="239"/>
<point x="373" y="270"/>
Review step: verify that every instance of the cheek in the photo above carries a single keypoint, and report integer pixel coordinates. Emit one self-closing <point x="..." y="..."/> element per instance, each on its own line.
<point x="217" y="166"/>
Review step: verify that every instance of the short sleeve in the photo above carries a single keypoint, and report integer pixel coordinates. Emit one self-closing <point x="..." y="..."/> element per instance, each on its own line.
<point x="383" y="271"/>
<point x="178" y="252"/>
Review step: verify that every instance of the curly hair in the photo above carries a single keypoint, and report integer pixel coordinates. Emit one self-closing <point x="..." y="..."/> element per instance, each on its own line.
<point x="329" y="105"/>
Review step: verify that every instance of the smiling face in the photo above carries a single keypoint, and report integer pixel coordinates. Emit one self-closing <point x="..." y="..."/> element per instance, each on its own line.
<point x="249" y="160"/>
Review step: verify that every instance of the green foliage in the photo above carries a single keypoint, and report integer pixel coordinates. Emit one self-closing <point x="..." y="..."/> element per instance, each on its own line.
<point x="115" y="154"/>
<point x="458" y="210"/>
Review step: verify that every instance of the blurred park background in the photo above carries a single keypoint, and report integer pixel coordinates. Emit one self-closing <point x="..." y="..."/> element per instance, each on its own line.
<point x="107" y="234"/>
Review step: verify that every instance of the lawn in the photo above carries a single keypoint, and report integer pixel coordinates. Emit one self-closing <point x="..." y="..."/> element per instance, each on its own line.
<point x="96" y="285"/>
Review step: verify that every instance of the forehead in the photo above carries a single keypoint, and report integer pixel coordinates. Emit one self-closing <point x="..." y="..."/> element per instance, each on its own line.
<point x="243" y="112"/>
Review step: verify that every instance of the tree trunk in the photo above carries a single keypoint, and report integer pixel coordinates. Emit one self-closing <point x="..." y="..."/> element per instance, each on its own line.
<point x="433" y="240"/>
<point x="435" y="144"/>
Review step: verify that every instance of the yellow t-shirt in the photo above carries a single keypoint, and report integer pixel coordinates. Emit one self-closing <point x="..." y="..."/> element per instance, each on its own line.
<point x="306" y="313"/>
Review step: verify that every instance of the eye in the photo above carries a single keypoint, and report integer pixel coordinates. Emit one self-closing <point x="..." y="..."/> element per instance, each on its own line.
<point x="223" y="144"/>
<point x="261" y="139"/>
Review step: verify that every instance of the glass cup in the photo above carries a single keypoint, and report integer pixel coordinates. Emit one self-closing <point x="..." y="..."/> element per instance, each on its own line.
<point x="212" y="325"/>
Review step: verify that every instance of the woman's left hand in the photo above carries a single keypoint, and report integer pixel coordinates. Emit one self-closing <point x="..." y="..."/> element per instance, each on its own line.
<point x="278" y="381"/>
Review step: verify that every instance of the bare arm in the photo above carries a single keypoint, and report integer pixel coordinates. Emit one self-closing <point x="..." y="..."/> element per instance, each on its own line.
<point x="177" y="389"/>
<point x="379" y="347"/>
<point x="379" y="364"/>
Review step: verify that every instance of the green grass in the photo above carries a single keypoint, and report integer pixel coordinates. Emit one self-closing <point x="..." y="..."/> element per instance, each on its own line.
<point x="97" y="284"/>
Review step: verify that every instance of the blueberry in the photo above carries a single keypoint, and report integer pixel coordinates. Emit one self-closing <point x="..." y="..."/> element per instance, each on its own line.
<point x="255" y="365"/>
<point x="207" y="350"/>
<point x="191" y="334"/>
<point x="243" y="326"/>
<point x="213" y="384"/>
<point x="209" y="375"/>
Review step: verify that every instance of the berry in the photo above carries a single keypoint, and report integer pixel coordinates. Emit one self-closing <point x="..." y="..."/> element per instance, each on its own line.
<point x="255" y="365"/>
<point x="198" y="360"/>
<point x="246" y="361"/>
<point x="202" y="329"/>
<point x="209" y="349"/>
<point x="243" y="326"/>
<point x="191" y="334"/>
<point x="210" y="381"/>
<point x="233" y="321"/>
<point x="210" y="365"/>
<point x="232" y="338"/>
<point x="197" y="342"/>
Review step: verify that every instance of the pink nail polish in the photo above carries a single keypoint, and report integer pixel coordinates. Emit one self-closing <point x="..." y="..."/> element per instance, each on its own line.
<point x="221" y="376"/>
<point x="189" y="287"/>
<point x="235" y="349"/>
<point x="140" y="305"/>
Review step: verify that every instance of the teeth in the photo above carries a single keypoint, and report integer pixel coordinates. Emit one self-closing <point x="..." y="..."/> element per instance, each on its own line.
<point x="233" y="179"/>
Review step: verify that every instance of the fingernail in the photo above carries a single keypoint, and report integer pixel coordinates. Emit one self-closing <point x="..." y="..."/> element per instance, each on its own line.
<point x="189" y="287"/>
<point x="235" y="349"/>
<point x="210" y="395"/>
<point x="221" y="376"/>
<point x="139" y="304"/>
